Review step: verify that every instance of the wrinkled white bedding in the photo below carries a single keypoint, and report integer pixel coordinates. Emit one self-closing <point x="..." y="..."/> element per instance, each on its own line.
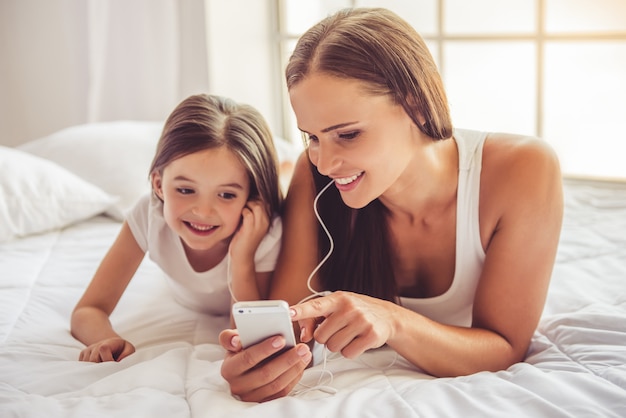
<point x="576" y="366"/>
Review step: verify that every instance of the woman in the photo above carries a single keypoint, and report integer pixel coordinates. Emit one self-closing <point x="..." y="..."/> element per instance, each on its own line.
<point x="444" y="239"/>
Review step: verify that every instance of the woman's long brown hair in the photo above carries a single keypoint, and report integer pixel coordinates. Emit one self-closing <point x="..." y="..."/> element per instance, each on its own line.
<point x="383" y="51"/>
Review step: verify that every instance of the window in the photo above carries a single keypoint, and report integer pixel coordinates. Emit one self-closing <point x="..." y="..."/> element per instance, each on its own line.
<point x="550" y="68"/>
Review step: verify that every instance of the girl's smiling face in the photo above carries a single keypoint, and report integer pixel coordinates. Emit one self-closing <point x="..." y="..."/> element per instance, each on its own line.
<point x="362" y="141"/>
<point x="203" y="195"/>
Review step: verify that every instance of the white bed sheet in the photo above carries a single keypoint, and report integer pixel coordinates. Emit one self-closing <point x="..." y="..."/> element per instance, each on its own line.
<point x="575" y="367"/>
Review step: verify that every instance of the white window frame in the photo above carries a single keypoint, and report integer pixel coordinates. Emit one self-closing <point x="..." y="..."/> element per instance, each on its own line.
<point x="540" y="37"/>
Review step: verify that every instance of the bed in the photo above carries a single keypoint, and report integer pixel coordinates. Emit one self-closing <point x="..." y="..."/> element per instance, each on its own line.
<point x="63" y="199"/>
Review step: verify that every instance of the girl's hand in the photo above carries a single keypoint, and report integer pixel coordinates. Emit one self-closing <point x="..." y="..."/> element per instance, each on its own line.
<point x="111" y="349"/>
<point x="252" y="376"/>
<point x="346" y="322"/>
<point x="254" y="225"/>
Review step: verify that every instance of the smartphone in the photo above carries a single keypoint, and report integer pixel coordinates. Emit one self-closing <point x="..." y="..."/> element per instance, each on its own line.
<point x="261" y="319"/>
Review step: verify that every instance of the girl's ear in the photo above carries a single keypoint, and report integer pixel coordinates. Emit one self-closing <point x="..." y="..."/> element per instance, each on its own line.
<point x="157" y="185"/>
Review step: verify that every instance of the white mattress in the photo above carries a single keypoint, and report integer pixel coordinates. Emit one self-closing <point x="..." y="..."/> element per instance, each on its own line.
<point x="575" y="367"/>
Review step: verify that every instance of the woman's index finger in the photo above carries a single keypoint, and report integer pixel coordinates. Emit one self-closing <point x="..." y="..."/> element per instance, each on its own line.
<point x="314" y="308"/>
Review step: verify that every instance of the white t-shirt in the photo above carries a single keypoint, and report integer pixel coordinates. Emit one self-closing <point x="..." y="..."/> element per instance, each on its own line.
<point x="205" y="291"/>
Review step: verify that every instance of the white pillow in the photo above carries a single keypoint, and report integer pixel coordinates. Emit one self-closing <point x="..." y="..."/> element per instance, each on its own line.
<point x="38" y="195"/>
<point x="114" y="156"/>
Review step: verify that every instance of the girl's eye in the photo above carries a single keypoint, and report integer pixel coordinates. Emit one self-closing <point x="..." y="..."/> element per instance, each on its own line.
<point x="183" y="190"/>
<point x="228" y="196"/>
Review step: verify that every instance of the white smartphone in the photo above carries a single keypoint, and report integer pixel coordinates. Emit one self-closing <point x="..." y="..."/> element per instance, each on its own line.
<point x="261" y="319"/>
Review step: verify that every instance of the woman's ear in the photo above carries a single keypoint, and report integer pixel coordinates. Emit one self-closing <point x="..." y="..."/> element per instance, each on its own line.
<point x="413" y="110"/>
<point x="157" y="184"/>
<point x="418" y="110"/>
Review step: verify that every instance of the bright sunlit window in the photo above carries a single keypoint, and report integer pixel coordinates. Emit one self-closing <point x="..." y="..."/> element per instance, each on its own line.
<point x="549" y="68"/>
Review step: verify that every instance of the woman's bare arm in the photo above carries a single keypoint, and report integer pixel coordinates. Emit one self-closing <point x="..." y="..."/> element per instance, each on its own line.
<point x="298" y="256"/>
<point x="521" y="214"/>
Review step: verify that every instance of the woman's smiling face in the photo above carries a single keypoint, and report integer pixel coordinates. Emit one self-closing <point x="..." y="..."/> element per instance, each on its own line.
<point x="203" y="195"/>
<point x="362" y="141"/>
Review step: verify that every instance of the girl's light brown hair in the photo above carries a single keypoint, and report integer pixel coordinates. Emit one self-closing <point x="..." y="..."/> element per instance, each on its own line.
<point x="204" y="121"/>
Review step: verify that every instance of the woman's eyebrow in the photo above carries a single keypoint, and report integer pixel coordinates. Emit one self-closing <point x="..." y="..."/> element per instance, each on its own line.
<point x="340" y="125"/>
<point x="332" y="128"/>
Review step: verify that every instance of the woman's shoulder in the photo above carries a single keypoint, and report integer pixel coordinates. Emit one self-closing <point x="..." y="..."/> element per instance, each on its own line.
<point x="518" y="171"/>
<point x="511" y="158"/>
<point x="503" y="141"/>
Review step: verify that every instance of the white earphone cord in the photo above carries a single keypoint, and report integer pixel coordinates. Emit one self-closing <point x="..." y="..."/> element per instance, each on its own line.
<point x="314" y="292"/>
<point x="324" y="387"/>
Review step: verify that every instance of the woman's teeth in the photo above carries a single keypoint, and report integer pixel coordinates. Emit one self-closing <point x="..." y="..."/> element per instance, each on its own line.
<point x="348" y="180"/>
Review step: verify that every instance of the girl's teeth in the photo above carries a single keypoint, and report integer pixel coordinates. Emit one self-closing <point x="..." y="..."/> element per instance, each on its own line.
<point x="201" y="227"/>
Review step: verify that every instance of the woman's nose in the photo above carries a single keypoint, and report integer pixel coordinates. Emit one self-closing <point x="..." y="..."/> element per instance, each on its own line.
<point x="324" y="156"/>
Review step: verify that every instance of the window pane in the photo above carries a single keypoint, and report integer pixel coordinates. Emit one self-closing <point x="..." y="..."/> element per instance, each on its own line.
<point x="585" y="15"/>
<point x="301" y="15"/>
<point x="291" y="126"/>
<point x="585" y="106"/>
<point x="489" y="16"/>
<point x="491" y="85"/>
<point x="432" y="47"/>
<point x="421" y="14"/>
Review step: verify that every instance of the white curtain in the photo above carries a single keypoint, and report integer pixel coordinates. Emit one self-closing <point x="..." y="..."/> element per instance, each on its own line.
<point x="67" y="62"/>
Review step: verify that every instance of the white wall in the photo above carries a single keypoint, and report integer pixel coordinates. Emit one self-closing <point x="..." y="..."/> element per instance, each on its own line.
<point x="43" y="65"/>
<point x="242" y="57"/>
<point x="47" y="76"/>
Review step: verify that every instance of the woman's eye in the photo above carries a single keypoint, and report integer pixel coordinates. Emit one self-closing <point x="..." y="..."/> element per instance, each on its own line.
<point x="349" y="135"/>
<point x="307" y="139"/>
<point x="183" y="190"/>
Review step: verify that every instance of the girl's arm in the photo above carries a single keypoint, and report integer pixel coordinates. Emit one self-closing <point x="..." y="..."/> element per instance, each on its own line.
<point x="246" y="282"/>
<point x="90" y="319"/>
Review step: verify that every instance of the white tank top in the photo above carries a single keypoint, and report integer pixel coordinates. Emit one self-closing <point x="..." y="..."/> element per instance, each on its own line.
<point x="454" y="307"/>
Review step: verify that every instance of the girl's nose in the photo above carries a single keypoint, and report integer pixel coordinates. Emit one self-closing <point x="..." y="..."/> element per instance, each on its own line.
<point x="204" y="207"/>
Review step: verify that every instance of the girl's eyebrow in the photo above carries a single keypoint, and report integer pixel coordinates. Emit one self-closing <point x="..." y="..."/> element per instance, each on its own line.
<point x="183" y="178"/>
<point x="233" y="185"/>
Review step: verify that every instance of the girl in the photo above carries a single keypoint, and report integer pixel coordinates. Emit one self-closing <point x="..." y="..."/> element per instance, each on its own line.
<point x="444" y="239"/>
<point x="213" y="212"/>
